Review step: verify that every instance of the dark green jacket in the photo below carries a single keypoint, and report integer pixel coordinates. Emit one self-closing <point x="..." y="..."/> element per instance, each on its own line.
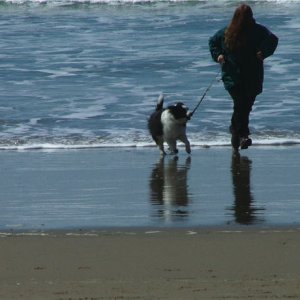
<point x="243" y="67"/>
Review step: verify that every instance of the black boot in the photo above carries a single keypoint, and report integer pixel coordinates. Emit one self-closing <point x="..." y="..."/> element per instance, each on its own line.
<point x="245" y="142"/>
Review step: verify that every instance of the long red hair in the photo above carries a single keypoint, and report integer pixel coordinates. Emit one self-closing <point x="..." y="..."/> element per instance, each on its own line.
<point x="236" y="33"/>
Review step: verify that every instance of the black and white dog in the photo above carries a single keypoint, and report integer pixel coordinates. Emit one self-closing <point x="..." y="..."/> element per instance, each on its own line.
<point x="169" y="125"/>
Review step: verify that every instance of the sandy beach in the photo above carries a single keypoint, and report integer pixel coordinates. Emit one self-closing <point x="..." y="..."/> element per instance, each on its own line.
<point x="88" y="208"/>
<point x="199" y="264"/>
<point x="123" y="224"/>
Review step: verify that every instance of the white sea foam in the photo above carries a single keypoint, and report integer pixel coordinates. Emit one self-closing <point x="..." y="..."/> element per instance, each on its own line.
<point x="60" y="73"/>
<point x="196" y="142"/>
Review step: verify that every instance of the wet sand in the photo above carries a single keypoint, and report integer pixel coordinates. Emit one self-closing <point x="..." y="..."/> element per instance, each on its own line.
<point x="133" y="187"/>
<point x="193" y="264"/>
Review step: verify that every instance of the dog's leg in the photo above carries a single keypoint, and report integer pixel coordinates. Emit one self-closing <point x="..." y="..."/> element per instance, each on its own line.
<point x="172" y="146"/>
<point x="160" y="144"/>
<point x="186" y="142"/>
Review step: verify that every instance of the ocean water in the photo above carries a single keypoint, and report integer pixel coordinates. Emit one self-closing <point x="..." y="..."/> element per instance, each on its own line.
<point x="87" y="73"/>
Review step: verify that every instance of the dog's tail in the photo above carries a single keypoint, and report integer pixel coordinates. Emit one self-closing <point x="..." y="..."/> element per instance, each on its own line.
<point x="160" y="102"/>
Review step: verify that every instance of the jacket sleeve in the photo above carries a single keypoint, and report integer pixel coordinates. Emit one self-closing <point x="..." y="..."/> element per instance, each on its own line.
<point x="215" y="44"/>
<point x="269" y="42"/>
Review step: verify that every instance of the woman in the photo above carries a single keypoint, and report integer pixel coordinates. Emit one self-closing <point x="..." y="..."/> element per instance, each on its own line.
<point x="241" y="48"/>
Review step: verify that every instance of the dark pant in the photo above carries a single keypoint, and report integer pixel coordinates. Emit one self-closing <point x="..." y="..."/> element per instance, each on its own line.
<point x="242" y="106"/>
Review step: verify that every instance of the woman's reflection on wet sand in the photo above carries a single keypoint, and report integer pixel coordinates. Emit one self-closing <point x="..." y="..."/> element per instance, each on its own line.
<point x="244" y="211"/>
<point x="169" y="188"/>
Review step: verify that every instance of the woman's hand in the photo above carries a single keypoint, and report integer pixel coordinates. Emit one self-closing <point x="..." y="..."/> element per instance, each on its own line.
<point x="259" y="55"/>
<point x="221" y="59"/>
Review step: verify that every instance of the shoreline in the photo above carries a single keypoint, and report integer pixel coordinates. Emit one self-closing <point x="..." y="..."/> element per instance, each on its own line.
<point x="145" y="230"/>
<point x="149" y="146"/>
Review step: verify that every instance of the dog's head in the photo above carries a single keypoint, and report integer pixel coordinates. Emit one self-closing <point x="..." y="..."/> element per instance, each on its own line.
<point x="180" y="111"/>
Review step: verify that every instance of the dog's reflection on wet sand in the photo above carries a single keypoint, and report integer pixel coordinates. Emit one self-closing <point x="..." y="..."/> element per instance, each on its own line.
<point x="169" y="188"/>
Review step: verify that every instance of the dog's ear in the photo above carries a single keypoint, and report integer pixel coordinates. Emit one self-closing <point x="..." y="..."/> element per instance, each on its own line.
<point x="181" y="104"/>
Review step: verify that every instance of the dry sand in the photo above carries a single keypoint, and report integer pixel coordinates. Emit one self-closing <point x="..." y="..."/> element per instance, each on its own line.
<point x="201" y="264"/>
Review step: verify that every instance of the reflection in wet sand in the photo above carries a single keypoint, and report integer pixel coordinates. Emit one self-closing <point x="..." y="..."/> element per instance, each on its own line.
<point x="244" y="211"/>
<point x="169" y="188"/>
